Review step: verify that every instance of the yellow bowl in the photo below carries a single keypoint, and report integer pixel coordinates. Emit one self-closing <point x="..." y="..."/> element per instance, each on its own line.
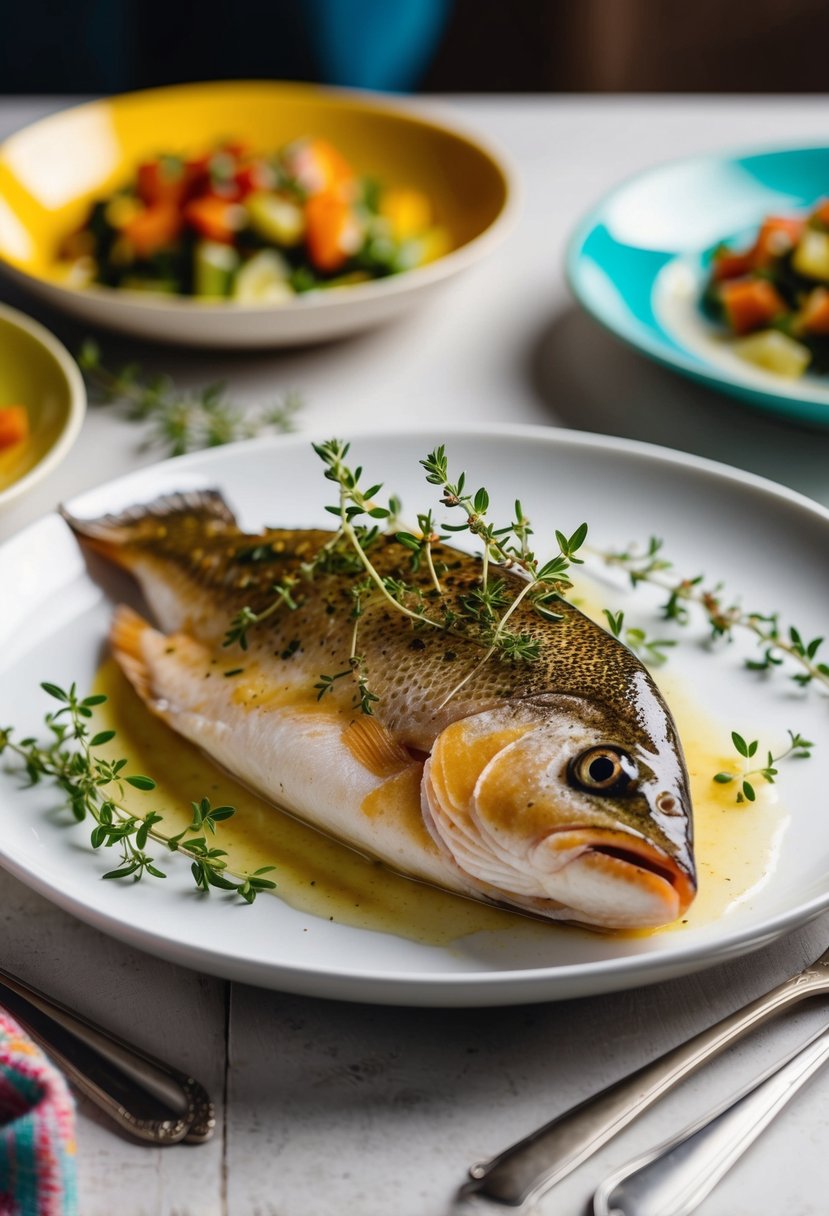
<point x="51" y="171"/>
<point x="36" y="371"/>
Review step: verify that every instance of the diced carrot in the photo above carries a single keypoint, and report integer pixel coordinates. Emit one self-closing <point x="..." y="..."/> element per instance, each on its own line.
<point x="164" y="180"/>
<point x="730" y="265"/>
<point x="318" y="166"/>
<point x="153" y="228"/>
<point x="14" y="425"/>
<point x="776" y="237"/>
<point x="215" y="218"/>
<point x="750" y="304"/>
<point x="331" y="231"/>
<point x="814" y="317"/>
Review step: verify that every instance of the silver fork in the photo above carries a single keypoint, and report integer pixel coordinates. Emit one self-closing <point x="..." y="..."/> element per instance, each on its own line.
<point x="146" y="1098"/>
<point x="531" y="1166"/>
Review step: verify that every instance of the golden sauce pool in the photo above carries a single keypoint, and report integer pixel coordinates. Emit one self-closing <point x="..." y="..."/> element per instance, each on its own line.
<point x="735" y="845"/>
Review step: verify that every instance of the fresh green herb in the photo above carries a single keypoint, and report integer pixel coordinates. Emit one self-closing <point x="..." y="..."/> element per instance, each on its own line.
<point x="777" y="643"/>
<point x="798" y="749"/>
<point x="652" y="650"/>
<point x="182" y="420"/>
<point x="486" y="609"/>
<point x="93" y="788"/>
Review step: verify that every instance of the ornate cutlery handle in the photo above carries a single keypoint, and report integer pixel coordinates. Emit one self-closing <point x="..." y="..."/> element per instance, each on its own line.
<point x="675" y="1178"/>
<point x="148" y="1099"/>
<point x="547" y="1155"/>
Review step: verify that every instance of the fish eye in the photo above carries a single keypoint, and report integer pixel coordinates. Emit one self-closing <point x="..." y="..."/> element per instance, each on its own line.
<point x="602" y="770"/>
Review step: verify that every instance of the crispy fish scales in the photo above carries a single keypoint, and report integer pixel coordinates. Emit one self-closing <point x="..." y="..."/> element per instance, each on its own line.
<point x="555" y="786"/>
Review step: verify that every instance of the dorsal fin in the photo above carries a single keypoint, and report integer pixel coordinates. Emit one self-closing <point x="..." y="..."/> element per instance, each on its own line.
<point x="210" y="503"/>
<point x="114" y="535"/>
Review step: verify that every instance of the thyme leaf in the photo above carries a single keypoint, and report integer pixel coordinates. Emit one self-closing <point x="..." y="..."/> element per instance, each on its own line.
<point x="484" y="611"/>
<point x="182" y="420"/>
<point x="93" y="789"/>
<point x="778" y="644"/>
<point x="798" y="749"/>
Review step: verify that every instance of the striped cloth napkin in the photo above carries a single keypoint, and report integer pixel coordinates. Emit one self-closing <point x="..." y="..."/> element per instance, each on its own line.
<point x="37" y="1130"/>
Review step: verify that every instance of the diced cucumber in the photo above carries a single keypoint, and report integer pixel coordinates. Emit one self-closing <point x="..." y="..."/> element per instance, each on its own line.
<point x="774" y="352"/>
<point x="214" y="265"/>
<point x="276" y="219"/>
<point x="263" y="280"/>
<point x="811" y="257"/>
<point x="408" y="255"/>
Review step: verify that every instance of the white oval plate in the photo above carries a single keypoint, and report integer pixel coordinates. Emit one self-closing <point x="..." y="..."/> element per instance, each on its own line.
<point x="768" y="543"/>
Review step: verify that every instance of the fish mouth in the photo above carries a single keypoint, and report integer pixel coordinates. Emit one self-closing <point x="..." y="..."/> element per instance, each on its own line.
<point x="600" y="871"/>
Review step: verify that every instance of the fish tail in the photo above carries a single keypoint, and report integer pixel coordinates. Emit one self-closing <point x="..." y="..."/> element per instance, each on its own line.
<point x="115" y="536"/>
<point x="126" y="635"/>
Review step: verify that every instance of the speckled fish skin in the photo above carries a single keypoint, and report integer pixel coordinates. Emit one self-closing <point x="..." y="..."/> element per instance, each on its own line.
<point x="505" y="818"/>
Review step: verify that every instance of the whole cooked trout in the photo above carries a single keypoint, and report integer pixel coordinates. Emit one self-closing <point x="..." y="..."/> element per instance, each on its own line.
<point x="555" y="786"/>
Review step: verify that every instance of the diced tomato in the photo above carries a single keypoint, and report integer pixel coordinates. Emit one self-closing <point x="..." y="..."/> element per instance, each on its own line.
<point x="14" y="425"/>
<point x="153" y="228"/>
<point x="814" y="318"/>
<point x="331" y="231"/>
<point x="162" y="180"/>
<point x="776" y="237"/>
<point x="253" y="177"/>
<point x="197" y="173"/>
<point x="730" y="265"/>
<point x="215" y="218"/>
<point x="750" y="304"/>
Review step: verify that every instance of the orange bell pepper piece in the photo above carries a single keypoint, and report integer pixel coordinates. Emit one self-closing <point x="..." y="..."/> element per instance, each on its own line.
<point x="750" y="304"/>
<point x="814" y="319"/>
<point x="215" y="218"/>
<point x="331" y="231"/>
<point x="14" y="425"/>
<point x="153" y="228"/>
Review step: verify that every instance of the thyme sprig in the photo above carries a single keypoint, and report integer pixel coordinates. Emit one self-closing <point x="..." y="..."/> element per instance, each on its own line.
<point x="798" y="749"/>
<point x="652" y="650"/>
<point x="182" y="420"/>
<point x="485" y="610"/>
<point x="777" y="642"/>
<point x="93" y="788"/>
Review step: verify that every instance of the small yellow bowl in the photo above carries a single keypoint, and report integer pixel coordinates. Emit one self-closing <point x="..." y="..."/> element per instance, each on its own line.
<point x="51" y="171"/>
<point x="39" y="373"/>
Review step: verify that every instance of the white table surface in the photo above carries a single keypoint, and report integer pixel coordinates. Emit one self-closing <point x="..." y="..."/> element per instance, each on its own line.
<point x="328" y="1109"/>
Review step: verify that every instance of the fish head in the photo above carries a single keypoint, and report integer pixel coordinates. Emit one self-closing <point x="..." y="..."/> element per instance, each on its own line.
<point x="567" y="808"/>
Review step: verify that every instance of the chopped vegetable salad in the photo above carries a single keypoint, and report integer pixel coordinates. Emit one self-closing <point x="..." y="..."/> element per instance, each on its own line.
<point x="237" y="225"/>
<point x="774" y="296"/>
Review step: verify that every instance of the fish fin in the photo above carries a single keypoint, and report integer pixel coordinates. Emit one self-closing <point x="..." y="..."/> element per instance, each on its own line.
<point x="126" y="634"/>
<point x="375" y="747"/>
<point x="111" y="535"/>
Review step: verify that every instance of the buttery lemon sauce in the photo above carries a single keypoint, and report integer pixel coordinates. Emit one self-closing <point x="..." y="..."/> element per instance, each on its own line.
<point x="735" y="844"/>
